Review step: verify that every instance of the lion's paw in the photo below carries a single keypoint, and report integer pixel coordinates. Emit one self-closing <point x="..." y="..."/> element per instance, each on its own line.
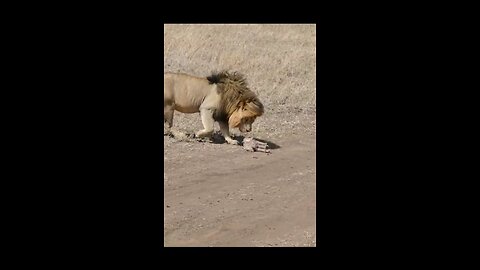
<point x="232" y="142"/>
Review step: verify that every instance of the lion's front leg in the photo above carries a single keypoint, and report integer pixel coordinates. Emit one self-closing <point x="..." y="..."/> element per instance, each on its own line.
<point x="226" y="133"/>
<point x="207" y="121"/>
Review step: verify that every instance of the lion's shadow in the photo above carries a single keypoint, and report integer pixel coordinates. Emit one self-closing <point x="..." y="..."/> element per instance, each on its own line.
<point x="217" y="138"/>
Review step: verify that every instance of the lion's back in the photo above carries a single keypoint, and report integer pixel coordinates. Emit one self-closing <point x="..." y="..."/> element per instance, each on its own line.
<point x="187" y="91"/>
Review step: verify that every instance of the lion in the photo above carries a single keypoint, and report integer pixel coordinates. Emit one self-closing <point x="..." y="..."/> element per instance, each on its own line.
<point x="223" y="97"/>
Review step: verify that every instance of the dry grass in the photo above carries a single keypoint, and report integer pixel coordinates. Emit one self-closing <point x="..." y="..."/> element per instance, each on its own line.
<point x="279" y="61"/>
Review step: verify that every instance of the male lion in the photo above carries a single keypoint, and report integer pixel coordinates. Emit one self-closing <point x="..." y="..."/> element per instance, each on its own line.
<point x="223" y="97"/>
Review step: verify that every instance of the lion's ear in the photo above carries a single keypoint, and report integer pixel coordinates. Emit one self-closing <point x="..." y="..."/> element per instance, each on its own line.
<point x="235" y="119"/>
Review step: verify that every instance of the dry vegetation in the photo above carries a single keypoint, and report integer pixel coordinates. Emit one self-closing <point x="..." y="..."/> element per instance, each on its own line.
<point x="206" y="203"/>
<point x="278" y="60"/>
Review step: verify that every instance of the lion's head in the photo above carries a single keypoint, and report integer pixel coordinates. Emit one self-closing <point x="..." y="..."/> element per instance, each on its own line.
<point x="239" y="105"/>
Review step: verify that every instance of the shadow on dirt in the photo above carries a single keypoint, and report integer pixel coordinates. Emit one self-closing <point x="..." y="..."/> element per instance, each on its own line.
<point x="217" y="138"/>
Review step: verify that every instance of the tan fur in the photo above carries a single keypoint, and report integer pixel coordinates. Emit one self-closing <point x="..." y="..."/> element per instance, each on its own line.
<point x="223" y="97"/>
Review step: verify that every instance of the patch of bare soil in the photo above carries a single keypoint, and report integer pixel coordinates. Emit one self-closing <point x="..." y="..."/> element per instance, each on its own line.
<point x="223" y="196"/>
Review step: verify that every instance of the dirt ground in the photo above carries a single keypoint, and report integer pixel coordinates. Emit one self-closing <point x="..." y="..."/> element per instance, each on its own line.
<point x="220" y="195"/>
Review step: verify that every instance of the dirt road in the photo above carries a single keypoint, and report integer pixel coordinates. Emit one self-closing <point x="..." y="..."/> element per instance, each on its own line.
<point x="222" y="195"/>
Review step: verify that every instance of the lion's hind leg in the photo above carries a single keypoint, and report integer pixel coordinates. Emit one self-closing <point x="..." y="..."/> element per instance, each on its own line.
<point x="168" y="112"/>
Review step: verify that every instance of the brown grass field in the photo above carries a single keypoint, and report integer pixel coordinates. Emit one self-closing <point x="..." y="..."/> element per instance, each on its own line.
<point x="220" y="195"/>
